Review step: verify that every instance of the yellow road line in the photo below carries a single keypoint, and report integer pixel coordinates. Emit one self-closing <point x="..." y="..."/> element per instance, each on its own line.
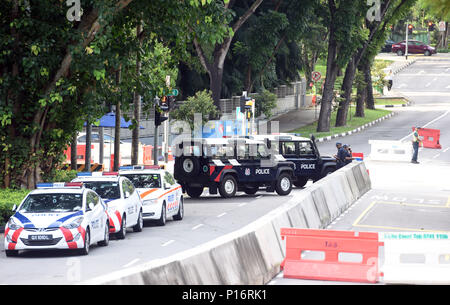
<point x="364" y="213"/>
<point x="417" y="204"/>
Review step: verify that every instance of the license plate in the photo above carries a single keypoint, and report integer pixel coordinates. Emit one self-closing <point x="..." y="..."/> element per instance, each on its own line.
<point x="40" y="237"/>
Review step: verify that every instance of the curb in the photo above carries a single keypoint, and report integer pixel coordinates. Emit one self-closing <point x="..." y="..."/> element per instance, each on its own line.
<point x="338" y="135"/>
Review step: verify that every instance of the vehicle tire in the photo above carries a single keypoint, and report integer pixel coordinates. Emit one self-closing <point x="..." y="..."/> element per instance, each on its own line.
<point x="427" y="53"/>
<point x="140" y="223"/>
<point x="180" y="213"/>
<point x="228" y="187"/>
<point x="105" y="242"/>
<point x="283" y="185"/>
<point x="251" y="191"/>
<point x="400" y="53"/>
<point x="11" y="253"/>
<point x="327" y="171"/>
<point x="194" y="191"/>
<point x="190" y="166"/>
<point x="301" y="181"/>
<point x="123" y="228"/>
<point x="87" y="243"/>
<point x="162" y="220"/>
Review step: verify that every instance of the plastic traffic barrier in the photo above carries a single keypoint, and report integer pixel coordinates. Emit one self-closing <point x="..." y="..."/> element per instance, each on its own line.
<point x="334" y="249"/>
<point x="358" y="156"/>
<point x="430" y="137"/>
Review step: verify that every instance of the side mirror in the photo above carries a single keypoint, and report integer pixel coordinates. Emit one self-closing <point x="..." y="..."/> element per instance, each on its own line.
<point x="127" y="194"/>
<point x="91" y="206"/>
<point x="166" y="186"/>
<point x="14" y="208"/>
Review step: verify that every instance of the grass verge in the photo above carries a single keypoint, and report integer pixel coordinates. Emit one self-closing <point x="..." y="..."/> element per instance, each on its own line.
<point x="352" y="123"/>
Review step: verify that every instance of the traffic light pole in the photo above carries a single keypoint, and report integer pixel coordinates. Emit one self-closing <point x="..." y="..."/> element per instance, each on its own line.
<point x="406" y="46"/>
<point x="155" y="141"/>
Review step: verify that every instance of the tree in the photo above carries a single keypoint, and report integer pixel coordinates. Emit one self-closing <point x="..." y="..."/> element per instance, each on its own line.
<point x="212" y="49"/>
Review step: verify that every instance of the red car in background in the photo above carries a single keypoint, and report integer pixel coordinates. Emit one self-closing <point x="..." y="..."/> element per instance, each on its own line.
<point x="414" y="47"/>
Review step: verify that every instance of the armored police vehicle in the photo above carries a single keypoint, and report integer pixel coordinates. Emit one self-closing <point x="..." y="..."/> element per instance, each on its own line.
<point x="230" y="165"/>
<point x="303" y="152"/>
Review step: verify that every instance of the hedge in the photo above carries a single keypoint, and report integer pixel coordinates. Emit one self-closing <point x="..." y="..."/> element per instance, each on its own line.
<point x="9" y="198"/>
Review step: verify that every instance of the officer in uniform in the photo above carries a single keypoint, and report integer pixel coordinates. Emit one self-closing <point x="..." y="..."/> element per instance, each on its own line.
<point x="416" y="143"/>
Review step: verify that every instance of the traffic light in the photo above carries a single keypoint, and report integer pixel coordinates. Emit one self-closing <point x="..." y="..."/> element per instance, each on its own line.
<point x="164" y="104"/>
<point x="171" y="102"/>
<point x="430" y="26"/>
<point x="410" y="29"/>
<point x="159" y="118"/>
<point x="243" y="103"/>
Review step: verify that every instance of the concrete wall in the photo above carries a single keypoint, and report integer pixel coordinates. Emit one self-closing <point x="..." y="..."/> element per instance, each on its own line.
<point x="253" y="254"/>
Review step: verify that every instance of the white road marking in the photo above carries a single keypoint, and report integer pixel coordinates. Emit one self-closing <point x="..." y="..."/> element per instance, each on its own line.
<point x="428" y="85"/>
<point x="221" y="215"/>
<point x="197" y="226"/>
<point x="167" y="243"/>
<point x="242" y="204"/>
<point x="434" y="157"/>
<point x="445" y="150"/>
<point x="134" y="261"/>
<point x="431" y="122"/>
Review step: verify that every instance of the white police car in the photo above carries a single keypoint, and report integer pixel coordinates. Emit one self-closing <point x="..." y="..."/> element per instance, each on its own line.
<point x="124" y="206"/>
<point x="162" y="197"/>
<point x="57" y="216"/>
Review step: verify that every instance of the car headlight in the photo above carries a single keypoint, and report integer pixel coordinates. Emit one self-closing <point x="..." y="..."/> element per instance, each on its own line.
<point x="74" y="224"/>
<point x="13" y="225"/>
<point x="150" y="201"/>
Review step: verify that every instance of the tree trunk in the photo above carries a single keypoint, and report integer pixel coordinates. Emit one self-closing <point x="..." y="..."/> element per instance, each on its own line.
<point x="370" y="101"/>
<point x="137" y="106"/>
<point x="347" y="86"/>
<point x="328" y="90"/>
<point x="73" y="152"/>
<point x="215" y="84"/>
<point x="87" y="162"/>
<point x="117" y="125"/>
<point x="360" y="98"/>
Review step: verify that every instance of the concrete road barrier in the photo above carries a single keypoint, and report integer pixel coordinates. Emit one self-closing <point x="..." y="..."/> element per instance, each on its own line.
<point x="252" y="255"/>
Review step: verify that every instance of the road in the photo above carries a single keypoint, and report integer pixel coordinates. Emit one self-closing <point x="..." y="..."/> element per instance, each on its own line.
<point x="211" y="216"/>
<point x="404" y="196"/>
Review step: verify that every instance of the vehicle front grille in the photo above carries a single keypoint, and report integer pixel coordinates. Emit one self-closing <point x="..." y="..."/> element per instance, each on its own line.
<point x="38" y="243"/>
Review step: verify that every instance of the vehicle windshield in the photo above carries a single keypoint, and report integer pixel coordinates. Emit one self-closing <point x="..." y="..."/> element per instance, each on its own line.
<point x="145" y="180"/>
<point x="105" y="189"/>
<point x="52" y="203"/>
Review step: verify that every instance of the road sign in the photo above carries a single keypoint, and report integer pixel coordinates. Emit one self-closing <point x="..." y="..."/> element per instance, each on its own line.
<point x="174" y="92"/>
<point x="316" y="76"/>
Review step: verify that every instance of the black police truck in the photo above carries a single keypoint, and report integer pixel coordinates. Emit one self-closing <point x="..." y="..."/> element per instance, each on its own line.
<point x="227" y="165"/>
<point x="303" y="152"/>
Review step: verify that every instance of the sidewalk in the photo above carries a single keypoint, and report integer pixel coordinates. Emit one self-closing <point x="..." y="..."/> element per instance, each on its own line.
<point x="296" y="118"/>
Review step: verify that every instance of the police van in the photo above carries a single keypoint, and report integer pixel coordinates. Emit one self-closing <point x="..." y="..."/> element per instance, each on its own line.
<point x="303" y="152"/>
<point x="228" y="166"/>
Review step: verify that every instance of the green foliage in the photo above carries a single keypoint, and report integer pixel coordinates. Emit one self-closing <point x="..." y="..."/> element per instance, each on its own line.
<point x="58" y="175"/>
<point x="265" y="102"/>
<point x="201" y="103"/>
<point x="9" y="198"/>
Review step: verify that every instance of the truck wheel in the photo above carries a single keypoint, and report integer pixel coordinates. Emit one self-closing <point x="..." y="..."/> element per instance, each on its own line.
<point x="194" y="191"/>
<point x="301" y="182"/>
<point x="283" y="185"/>
<point x="228" y="187"/>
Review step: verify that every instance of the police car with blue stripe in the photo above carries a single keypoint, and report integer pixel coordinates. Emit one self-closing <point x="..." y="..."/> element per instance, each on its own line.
<point x="57" y="216"/>
<point x="230" y="165"/>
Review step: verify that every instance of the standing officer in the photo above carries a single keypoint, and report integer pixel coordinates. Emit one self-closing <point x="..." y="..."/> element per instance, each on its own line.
<point x="416" y="143"/>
